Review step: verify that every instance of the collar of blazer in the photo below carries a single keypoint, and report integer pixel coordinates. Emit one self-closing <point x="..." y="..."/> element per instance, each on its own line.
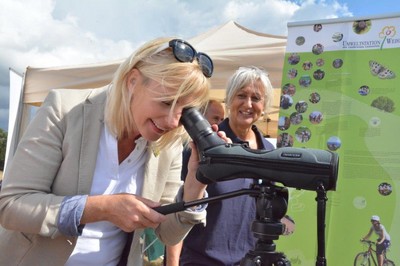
<point x="93" y="115"/>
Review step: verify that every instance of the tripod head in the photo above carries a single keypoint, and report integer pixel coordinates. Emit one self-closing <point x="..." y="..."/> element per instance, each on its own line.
<point x="272" y="203"/>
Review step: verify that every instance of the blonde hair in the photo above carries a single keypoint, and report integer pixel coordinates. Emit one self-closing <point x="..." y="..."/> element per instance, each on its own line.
<point x="249" y="75"/>
<point x="162" y="67"/>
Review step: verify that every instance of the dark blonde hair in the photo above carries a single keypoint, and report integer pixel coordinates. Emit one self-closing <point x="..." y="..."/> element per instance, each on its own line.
<point x="204" y="108"/>
<point x="162" y="67"/>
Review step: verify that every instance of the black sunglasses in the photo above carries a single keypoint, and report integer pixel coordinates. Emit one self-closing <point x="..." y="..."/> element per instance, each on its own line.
<point x="184" y="52"/>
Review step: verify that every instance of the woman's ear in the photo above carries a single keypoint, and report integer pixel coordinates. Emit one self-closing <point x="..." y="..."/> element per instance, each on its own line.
<point x="133" y="77"/>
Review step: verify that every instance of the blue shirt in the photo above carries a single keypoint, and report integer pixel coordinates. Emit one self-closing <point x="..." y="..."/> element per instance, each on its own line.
<point x="227" y="236"/>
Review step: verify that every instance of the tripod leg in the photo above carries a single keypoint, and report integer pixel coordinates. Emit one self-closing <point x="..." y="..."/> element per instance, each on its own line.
<point x="321" y="208"/>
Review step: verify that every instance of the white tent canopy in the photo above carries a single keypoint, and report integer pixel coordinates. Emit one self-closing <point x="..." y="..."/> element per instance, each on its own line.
<point x="230" y="46"/>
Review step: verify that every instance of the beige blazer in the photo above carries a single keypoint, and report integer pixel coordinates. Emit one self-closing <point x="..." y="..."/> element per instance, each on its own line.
<point x="56" y="157"/>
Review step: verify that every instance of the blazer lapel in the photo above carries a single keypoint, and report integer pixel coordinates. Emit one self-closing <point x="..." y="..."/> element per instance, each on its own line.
<point x="93" y="115"/>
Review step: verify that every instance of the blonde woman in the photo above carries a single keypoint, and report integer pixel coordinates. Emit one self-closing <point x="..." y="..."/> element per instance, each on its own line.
<point x="94" y="163"/>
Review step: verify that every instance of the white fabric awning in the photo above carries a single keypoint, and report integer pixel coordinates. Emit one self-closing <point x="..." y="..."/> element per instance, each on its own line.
<point x="230" y="46"/>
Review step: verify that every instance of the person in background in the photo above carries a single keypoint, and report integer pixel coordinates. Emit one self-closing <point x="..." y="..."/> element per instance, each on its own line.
<point x="383" y="241"/>
<point x="227" y="237"/>
<point x="94" y="163"/>
<point x="214" y="113"/>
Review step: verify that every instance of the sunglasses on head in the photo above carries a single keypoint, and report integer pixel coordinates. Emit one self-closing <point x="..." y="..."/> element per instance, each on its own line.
<point x="185" y="53"/>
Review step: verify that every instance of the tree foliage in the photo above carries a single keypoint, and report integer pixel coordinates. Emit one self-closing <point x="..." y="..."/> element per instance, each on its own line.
<point x="3" y="146"/>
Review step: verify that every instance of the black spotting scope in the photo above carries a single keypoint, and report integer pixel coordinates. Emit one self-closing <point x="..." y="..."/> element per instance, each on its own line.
<point x="300" y="168"/>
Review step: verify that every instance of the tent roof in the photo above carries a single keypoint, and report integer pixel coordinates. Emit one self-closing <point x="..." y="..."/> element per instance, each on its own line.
<point x="229" y="45"/>
<point x="232" y="45"/>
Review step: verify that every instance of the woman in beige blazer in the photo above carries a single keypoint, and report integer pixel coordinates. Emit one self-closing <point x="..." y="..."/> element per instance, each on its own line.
<point x="124" y="138"/>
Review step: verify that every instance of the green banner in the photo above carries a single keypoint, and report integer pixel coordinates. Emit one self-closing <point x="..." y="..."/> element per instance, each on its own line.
<point x="341" y="92"/>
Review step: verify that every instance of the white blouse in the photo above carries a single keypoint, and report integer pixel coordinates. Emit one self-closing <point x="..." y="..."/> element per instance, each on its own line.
<point x="101" y="243"/>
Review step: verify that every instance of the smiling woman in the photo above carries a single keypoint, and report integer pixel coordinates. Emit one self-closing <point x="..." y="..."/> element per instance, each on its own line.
<point x="93" y="164"/>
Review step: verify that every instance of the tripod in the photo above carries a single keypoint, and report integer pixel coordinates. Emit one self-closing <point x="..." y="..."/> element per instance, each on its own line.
<point x="271" y="207"/>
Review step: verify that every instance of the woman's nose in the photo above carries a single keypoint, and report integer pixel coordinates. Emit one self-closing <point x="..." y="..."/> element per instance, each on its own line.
<point x="173" y="120"/>
<point x="248" y="102"/>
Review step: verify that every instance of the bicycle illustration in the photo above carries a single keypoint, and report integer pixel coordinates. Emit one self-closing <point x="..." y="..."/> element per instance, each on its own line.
<point x="366" y="257"/>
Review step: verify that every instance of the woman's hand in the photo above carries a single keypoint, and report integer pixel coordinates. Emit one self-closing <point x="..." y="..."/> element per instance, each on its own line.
<point x="194" y="189"/>
<point x="221" y="134"/>
<point x="128" y="212"/>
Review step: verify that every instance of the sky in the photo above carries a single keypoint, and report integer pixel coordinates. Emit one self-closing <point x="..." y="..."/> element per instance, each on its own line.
<point x="48" y="33"/>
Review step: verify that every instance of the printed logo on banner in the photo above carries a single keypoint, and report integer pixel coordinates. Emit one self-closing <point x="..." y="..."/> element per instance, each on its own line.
<point x="387" y="33"/>
<point x="360" y="27"/>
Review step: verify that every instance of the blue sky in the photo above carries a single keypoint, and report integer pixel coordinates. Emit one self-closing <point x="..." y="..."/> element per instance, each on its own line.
<point x="46" y="33"/>
<point x="367" y="8"/>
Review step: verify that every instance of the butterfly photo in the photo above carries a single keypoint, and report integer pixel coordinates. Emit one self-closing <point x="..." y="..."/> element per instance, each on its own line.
<point x="380" y="71"/>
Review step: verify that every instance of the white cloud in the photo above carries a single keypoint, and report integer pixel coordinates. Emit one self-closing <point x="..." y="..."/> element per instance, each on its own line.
<point x="35" y="38"/>
<point x="48" y="33"/>
<point x="44" y="33"/>
<point x="272" y="16"/>
<point x="313" y="9"/>
<point x="268" y="16"/>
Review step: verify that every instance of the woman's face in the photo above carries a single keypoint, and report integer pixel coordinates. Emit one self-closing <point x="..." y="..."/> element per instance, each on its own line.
<point x="247" y="106"/>
<point x="153" y="117"/>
